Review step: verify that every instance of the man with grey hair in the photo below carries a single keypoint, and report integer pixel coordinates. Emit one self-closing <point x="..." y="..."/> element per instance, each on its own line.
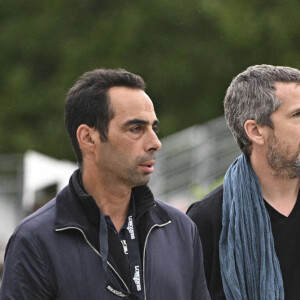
<point x="249" y="226"/>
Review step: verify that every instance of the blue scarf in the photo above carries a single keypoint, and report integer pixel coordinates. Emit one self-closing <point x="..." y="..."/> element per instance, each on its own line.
<point x="249" y="265"/>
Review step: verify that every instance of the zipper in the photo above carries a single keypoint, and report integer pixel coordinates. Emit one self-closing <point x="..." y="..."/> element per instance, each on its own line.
<point x="144" y="253"/>
<point x="98" y="253"/>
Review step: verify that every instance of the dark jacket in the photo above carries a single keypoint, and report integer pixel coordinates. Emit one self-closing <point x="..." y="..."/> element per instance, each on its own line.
<point x="54" y="254"/>
<point x="207" y="215"/>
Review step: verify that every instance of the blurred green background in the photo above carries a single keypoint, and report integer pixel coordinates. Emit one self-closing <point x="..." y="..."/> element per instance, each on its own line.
<point x="187" y="52"/>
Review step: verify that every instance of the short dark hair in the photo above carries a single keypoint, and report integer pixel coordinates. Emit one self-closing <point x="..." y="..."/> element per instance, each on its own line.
<point x="251" y="96"/>
<point x="87" y="102"/>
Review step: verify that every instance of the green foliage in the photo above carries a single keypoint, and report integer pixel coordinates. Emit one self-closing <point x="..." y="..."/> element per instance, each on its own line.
<point x="187" y="52"/>
<point x="198" y="191"/>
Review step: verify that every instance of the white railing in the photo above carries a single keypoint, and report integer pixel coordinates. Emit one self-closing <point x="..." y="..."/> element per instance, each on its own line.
<point x="196" y="156"/>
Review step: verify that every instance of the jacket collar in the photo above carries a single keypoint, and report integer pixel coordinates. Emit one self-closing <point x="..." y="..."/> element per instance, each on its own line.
<point x="76" y="209"/>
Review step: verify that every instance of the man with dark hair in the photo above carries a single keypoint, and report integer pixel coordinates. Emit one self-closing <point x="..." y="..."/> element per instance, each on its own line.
<point x="249" y="226"/>
<point x="104" y="236"/>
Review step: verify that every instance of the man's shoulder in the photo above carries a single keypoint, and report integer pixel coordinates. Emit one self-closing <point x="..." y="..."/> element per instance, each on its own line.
<point x="208" y="209"/>
<point x="213" y="199"/>
<point x="181" y="227"/>
<point x="38" y="221"/>
<point x="174" y="213"/>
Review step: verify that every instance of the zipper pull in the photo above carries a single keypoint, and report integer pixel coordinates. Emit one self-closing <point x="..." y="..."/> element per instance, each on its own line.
<point x="125" y="248"/>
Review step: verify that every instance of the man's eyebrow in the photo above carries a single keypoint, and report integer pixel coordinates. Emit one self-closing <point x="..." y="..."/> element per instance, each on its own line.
<point x="140" y="121"/>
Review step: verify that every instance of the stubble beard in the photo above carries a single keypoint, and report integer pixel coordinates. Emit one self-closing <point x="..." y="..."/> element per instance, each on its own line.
<point x="122" y="169"/>
<point x="139" y="179"/>
<point x="135" y="178"/>
<point x="283" y="160"/>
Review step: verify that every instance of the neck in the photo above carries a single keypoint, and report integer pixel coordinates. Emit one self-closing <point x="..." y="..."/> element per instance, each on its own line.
<point x="112" y="199"/>
<point x="280" y="192"/>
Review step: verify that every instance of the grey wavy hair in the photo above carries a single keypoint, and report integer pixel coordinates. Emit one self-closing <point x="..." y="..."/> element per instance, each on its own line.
<point x="251" y="96"/>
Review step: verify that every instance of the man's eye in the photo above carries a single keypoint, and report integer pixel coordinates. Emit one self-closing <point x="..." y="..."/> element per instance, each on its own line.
<point x="155" y="129"/>
<point x="136" y="129"/>
<point x="297" y="114"/>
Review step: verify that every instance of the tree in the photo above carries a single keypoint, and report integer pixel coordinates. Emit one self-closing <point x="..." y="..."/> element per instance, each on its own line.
<point x="187" y="52"/>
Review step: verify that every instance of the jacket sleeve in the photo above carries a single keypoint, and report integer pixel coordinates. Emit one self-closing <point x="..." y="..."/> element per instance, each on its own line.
<point x="207" y="215"/>
<point x="200" y="290"/>
<point x="25" y="275"/>
<point x="200" y="218"/>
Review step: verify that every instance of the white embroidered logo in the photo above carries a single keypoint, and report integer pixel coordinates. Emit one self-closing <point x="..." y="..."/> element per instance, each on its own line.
<point x="130" y="228"/>
<point x="137" y="278"/>
<point x="118" y="293"/>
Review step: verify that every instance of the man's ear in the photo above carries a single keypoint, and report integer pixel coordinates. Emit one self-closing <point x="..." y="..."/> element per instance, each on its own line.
<point x="87" y="137"/>
<point x="256" y="133"/>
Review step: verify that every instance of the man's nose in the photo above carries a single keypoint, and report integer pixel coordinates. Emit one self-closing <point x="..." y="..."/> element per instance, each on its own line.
<point x="154" y="143"/>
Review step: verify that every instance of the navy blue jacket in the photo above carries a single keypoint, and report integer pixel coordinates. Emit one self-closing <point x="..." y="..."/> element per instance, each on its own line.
<point x="54" y="254"/>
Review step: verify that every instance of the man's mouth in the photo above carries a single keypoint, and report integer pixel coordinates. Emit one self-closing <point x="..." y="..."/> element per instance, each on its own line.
<point x="148" y="166"/>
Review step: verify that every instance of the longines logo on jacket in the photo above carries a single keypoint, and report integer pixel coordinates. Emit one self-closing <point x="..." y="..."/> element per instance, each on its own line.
<point x="118" y="293"/>
<point x="137" y="278"/>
